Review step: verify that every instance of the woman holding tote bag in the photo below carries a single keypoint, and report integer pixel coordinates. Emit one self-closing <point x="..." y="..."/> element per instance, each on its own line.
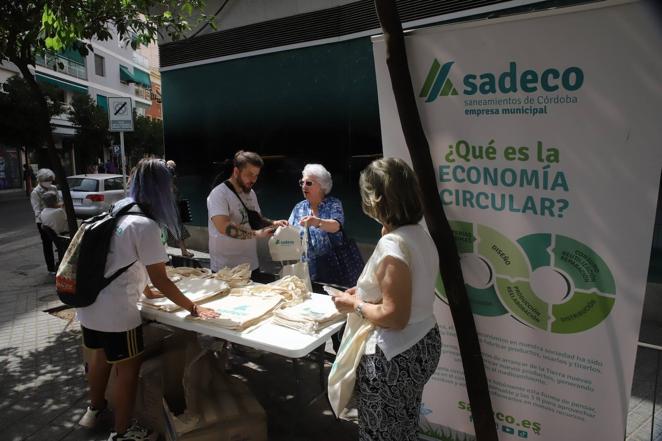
<point x="391" y="346"/>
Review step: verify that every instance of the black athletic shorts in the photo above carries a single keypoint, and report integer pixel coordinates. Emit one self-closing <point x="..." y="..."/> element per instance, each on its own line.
<point x="118" y="346"/>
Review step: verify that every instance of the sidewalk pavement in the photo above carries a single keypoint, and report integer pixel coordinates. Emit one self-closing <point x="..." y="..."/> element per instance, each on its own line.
<point x="12" y="193"/>
<point x="42" y="386"/>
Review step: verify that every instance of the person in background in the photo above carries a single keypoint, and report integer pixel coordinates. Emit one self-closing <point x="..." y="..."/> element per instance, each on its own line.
<point x="54" y="221"/>
<point x="53" y="215"/>
<point x="232" y="237"/>
<point x="395" y="293"/>
<point x="28" y="177"/>
<point x="110" y="167"/>
<point x="323" y="216"/>
<point x="45" y="178"/>
<point x="112" y="326"/>
<point x="184" y="232"/>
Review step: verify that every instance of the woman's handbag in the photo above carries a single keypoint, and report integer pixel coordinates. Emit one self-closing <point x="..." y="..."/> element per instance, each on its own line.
<point x="342" y="265"/>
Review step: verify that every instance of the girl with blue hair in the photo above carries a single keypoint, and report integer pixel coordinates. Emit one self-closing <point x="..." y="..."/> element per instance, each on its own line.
<point x="112" y="326"/>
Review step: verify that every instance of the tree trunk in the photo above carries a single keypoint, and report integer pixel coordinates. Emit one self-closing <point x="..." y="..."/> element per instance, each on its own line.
<point x="449" y="261"/>
<point x="45" y="119"/>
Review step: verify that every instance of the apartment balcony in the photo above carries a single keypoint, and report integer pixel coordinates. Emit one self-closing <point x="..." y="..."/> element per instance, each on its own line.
<point x="142" y="92"/>
<point x="63" y="65"/>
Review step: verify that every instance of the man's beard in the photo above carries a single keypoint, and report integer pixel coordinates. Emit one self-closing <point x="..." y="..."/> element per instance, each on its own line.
<point x="243" y="187"/>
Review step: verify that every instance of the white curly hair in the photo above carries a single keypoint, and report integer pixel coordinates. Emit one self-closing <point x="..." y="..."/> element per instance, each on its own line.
<point x="45" y="174"/>
<point x="321" y="174"/>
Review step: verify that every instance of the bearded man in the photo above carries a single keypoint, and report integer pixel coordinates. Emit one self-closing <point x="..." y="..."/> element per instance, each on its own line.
<point x="235" y="220"/>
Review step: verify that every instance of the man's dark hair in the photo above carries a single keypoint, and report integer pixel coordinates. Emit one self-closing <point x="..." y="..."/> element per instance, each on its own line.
<point x="243" y="158"/>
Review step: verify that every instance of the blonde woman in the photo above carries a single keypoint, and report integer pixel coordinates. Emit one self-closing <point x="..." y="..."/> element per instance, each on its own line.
<point x="395" y="293"/>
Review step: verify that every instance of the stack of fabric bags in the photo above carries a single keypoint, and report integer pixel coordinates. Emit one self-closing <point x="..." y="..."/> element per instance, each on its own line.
<point x="239" y="312"/>
<point x="310" y="316"/>
<point x="240" y="275"/>
<point x="246" y="306"/>
<point x="195" y="283"/>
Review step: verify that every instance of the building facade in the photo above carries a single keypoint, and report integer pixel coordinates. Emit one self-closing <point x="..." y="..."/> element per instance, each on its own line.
<point x="112" y="68"/>
<point x="293" y="81"/>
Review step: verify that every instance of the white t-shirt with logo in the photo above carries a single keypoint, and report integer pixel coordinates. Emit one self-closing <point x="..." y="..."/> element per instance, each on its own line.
<point x="137" y="239"/>
<point x="227" y="251"/>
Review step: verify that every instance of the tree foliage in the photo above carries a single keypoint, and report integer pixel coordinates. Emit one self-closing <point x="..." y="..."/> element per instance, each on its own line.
<point x="17" y="107"/>
<point x="145" y="140"/>
<point x="91" y="123"/>
<point x="32" y="27"/>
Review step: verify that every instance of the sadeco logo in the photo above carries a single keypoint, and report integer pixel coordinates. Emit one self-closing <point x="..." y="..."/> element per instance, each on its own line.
<point x="284" y="242"/>
<point x="437" y="83"/>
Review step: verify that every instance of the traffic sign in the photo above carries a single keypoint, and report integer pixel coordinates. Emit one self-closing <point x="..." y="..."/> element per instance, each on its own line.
<point x="120" y="114"/>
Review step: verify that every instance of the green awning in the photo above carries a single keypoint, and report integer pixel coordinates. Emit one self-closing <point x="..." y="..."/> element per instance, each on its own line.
<point x="142" y="78"/>
<point x="72" y="55"/>
<point x="102" y="102"/>
<point x="126" y="75"/>
<point x="60" y="83"/>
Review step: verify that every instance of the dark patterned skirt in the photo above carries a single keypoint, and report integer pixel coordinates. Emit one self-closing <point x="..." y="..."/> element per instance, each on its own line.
<point x="390" y="392"/>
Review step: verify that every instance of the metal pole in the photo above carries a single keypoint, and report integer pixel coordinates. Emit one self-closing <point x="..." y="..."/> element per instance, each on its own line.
<point x="123" y="160"/>
<point x="657" y="375"/>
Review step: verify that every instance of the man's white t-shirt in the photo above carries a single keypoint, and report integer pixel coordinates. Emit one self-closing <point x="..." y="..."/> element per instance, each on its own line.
<point x="227" y="251"/>
<point x="54" y="218"/>
<point x="137" y="239"/>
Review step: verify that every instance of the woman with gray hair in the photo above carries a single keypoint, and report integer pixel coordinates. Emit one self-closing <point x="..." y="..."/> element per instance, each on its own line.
<point x="323" y="216"/>
<point x="45" y="178"/>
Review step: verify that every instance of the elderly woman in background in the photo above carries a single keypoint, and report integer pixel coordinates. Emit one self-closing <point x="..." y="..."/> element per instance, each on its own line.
<point x="395" y="294"/>
<point x="54" y="222"/>
<point x="323" y="216"/>
<point x="45" y="178"/>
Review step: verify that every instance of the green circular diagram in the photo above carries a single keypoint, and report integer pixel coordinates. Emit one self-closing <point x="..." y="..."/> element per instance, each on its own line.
<point x="548" y="281"/>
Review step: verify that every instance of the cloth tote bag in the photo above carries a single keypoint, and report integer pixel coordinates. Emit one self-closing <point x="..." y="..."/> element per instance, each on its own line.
<point x="299" y="269"/>
<point x="343" y="372"/>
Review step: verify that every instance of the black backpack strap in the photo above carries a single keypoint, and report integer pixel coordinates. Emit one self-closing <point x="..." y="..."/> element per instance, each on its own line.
<point x="115" y="275"/>
<point x="231" y="187"/>
<point x="126" y="211"/>
<point x="122" y="211"/>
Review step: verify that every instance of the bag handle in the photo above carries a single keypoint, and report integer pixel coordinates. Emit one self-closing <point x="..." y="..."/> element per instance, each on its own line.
<point x="341" y="230"/>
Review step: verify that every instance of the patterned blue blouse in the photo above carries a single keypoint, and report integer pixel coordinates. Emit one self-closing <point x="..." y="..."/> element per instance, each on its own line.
<point x="319" y="241"/>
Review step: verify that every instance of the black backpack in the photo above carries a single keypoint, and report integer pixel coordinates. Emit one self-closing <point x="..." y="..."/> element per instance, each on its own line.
<point x="80" y="276"/>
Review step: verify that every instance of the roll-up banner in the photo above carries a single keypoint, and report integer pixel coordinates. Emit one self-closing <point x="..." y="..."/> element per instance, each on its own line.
<point x="546" y="136"/>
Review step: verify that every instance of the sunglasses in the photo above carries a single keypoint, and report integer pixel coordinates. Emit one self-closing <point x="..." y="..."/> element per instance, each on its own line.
<point x="306" y="183"/>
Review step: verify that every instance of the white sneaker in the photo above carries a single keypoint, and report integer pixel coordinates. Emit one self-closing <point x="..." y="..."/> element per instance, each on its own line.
<point x="134" y="433"/>
<point x="93" y="416"/>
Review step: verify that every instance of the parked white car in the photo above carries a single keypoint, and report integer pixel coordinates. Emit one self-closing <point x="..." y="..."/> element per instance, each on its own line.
<point x="95" y="193"/>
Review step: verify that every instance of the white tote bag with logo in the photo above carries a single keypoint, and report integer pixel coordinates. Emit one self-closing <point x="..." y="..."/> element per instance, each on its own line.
<point x="299" y="269"/>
